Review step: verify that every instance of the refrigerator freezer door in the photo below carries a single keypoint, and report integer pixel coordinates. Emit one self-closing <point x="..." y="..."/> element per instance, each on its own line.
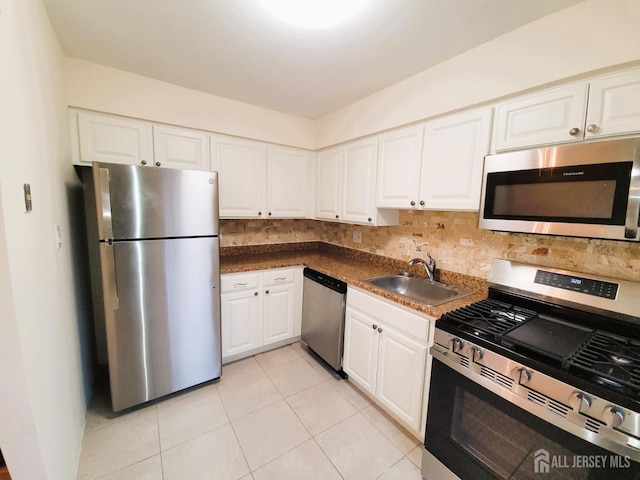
<point x="163" y="332"/>
<point x="135" y="202"/>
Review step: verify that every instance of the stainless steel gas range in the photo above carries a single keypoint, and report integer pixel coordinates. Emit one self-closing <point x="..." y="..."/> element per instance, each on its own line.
<point x="539" y="381"/>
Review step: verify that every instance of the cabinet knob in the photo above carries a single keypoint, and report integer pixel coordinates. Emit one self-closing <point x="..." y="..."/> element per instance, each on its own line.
<point x="574" y="131"/>
<point x="255" y="294"/>
<point x="267" y="292"/>
<point x="143" y="162"/>
<point x="413" y="203"/>
<point x="375" y="327"/>
<point x="370" y="219"/>
<point x="337" y="216"/>
<point x="592" y="128"/>
<point x="158" y="164"/>
<point x="259" y="214"/>
<point x="269" y="213"/>
<point x="422" y="203"/>
<point x="379" y="329"/>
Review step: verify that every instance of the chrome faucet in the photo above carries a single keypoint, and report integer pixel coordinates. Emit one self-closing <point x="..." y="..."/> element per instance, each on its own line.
<point x="430" y="267"/>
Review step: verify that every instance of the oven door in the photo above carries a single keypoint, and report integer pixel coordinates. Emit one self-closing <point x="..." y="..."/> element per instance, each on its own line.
<point x="585" y="190"/>
<point x="477" y="434"/>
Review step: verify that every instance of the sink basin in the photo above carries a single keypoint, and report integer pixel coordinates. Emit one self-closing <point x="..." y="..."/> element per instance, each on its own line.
<point x="419" y="289"/>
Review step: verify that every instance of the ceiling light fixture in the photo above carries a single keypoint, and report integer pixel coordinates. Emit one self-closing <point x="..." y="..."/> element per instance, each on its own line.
<point x="313" y="14"/>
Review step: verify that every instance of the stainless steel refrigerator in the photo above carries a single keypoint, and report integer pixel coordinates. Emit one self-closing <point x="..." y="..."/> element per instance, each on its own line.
<point x="154" y="257"/>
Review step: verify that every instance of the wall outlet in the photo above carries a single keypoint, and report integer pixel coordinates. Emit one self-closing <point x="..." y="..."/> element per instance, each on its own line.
<point x="357" y="236"/>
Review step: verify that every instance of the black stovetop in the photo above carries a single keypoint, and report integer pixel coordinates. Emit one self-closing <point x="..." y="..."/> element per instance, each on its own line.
<point x="587" y="350"/>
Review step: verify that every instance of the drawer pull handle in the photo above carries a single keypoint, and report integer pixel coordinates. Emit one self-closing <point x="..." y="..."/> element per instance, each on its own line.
<point x="236" y="285"/>
<point x="280" y="279"/>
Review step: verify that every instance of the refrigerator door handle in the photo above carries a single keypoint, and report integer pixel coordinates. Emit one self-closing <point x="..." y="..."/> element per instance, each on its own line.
<point x="103" y="204"/>
<point x="109" y="278"/>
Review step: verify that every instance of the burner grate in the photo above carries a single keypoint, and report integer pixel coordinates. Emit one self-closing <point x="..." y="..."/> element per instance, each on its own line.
<point x="614" y="362"/>
<point x="488" y="318"/>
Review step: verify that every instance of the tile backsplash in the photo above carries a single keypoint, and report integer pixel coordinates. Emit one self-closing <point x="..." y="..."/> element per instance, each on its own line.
<point x="452" y="238"/>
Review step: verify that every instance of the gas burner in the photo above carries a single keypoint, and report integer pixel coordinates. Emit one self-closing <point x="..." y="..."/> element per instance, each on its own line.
<point x="487" y="318"/>
<point x="614" y="361"/>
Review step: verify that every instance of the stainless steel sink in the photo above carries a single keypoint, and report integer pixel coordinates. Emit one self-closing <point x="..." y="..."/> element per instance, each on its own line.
<point x="419" y="289"/>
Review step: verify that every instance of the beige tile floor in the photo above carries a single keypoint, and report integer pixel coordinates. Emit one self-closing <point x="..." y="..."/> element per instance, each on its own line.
<point x="278" y="415"/>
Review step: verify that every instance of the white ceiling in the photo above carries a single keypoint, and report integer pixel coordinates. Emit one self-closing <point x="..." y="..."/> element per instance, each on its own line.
<point x="231" y="49"/>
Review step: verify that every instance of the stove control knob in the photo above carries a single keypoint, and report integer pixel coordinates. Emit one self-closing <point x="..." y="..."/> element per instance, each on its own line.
<point x="613" y="416"/>
<point x="580" y="402"/>
<point x="474" y="353"/>
<point x="521" y="374"/>
<point x="455" y="345"/>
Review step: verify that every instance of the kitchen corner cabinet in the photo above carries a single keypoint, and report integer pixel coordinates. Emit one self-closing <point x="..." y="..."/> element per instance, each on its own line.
<point x="346" y="183"/>
<point x="452" y="160"/>
<point x="113" y="139"/>
<point x="604" y="106"/>
<point x="399" y="167"/>
<point x="385" y="354"/>
<point x="259" y="311"/>
<point x="259" y="180"/>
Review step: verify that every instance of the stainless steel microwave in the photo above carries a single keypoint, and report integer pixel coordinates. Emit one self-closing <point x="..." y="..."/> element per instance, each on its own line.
<point x="583" y="190"/>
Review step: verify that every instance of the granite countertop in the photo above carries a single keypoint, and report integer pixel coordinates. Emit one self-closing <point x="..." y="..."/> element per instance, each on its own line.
<point x="349" y="265"/>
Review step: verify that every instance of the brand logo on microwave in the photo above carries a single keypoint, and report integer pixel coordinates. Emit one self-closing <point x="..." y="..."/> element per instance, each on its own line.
<point x="572" y="174"/>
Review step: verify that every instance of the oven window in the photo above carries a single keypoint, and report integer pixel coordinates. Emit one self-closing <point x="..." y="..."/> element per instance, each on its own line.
<point x="479" y="435"/>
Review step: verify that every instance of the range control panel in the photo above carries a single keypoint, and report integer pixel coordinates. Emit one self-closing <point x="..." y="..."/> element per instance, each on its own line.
<point x="588" y="286"/>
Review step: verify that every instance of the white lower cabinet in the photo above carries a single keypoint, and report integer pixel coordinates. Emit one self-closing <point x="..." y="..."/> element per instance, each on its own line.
<point x="260" y="310"/>
<point x="385" y="354"/>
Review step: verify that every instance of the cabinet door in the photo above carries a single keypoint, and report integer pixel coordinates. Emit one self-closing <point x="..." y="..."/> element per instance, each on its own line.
<point x="359" y="181"/>
<point x="401" y="373"/>
<point x="454" y="150"/>
<point x="328" y="184"/>
<point x="241" y="166"/>
<point x="614" y="105"/>
<point x="399" y="165"/>
<point x="180" y="148"/>
<point x="104" y="138"/>
<point x="553" y="116"/>
<point x="241" y="315"/>
<point x="279" y="304"/>
<point x="287" y="182"/>
<point x="361" y="349"/>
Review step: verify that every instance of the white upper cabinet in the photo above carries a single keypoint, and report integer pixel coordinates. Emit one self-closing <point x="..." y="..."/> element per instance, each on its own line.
<point x="552" y="116"/>
<point x="176" y="147"/>
<point x="328" y="184"/>
<point x="603" y="106"/>
<point x="346" y="185"/>
<point x="614" y="105"/>
<point x="241" y="166"/>
<point x="261" y="181"/>
<point x="359" y="160"/>
<point x="454" y="150"/>
<point x="105" y="138"/>
<point x="399" y="167"/>
<point x="289" y="182"/>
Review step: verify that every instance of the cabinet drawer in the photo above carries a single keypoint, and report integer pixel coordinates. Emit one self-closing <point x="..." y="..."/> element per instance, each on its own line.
<point x="278" y="277"/>
<point x="234" y="282"/>
<point x="395" y="316"/>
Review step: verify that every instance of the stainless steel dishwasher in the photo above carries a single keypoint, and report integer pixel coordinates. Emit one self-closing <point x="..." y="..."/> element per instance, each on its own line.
<point x="323" y="306"/>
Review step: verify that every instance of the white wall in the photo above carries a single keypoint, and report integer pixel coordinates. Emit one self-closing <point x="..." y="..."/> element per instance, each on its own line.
<point x="45" y="402"/>
<point x="106" y="89"/>
<point x="589" y="36"/>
